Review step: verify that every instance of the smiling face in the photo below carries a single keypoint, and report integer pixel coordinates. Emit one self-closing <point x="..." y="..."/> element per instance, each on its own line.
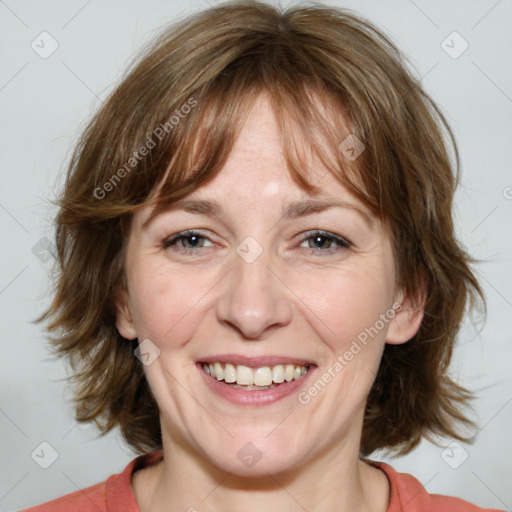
<point x="263" y="275"/>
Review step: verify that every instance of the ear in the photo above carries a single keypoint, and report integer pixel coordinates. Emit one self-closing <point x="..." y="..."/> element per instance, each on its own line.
<point x="124" y="317"/>
<point x="408" y="317"/>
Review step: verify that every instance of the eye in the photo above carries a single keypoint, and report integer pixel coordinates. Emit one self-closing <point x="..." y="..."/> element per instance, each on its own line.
<point x="323" y="242"/>
<point x="186" y="241"/>
<point x="320" y="242"/>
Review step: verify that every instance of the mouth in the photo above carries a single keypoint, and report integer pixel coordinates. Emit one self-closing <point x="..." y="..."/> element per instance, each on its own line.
<point x="259" y="381"/>
<point x="254" y="379"/>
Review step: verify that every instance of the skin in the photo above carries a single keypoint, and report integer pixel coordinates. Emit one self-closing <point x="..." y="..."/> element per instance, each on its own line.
<point x="297" y="299"/>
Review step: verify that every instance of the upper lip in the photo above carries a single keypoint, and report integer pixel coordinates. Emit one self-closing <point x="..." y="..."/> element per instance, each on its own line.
<point x="255" y="362"/>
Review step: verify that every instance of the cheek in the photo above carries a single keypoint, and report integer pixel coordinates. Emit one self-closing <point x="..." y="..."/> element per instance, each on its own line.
<point x="347" y="302"/>
<point x="166" y="301"/>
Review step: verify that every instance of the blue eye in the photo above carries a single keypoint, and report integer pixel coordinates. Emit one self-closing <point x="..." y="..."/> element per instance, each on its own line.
<point x="320" y="242"/>
<point x="191" y="241"/>
<point x="322" y="238"/>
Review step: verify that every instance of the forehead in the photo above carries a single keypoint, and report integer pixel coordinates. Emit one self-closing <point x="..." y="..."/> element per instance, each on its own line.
<point x="256" y="179"/>
<point x="257" y="169"/>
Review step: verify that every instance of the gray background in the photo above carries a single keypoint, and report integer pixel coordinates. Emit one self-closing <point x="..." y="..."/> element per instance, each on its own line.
<point x="44" y="104"/>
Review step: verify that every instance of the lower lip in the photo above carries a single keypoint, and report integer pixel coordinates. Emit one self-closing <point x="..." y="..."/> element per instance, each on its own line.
<point x="254" y="397"/>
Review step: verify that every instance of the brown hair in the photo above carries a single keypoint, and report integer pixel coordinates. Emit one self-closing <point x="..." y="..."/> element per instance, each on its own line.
<point x="172" y="123"/>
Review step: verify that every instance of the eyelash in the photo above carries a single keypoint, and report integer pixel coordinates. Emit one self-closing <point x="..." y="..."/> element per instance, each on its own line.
<point x="343" y="243"/>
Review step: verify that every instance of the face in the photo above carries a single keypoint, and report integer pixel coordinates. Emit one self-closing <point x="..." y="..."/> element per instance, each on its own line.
<point x="262" y="284"/>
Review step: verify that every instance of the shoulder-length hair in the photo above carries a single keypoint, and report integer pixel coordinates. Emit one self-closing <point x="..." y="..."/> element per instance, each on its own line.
<point x="172" y="122"/>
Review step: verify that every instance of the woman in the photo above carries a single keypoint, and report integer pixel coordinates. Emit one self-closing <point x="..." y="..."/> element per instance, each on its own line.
<point x="259" y="279"/>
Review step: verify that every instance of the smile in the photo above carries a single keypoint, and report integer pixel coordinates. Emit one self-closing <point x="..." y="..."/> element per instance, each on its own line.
<point x="262" y="378"/>
<point x="268" y="380"/>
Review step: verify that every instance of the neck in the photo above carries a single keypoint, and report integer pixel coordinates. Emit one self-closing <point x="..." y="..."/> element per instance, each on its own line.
<point x="334" y="480"/>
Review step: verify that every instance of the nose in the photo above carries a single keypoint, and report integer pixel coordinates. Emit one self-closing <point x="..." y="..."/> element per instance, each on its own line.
<point x="253" y="298"/>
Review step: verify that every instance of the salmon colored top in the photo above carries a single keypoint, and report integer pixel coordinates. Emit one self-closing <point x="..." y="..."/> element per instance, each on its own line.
<point x="116" y="494"/>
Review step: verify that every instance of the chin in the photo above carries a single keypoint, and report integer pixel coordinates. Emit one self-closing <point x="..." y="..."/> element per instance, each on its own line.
<point x="258" y="457"/>
<point x="267" y="465"/>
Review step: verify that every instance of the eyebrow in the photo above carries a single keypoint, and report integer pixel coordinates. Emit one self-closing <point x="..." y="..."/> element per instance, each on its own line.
<point x="294" y="210"/>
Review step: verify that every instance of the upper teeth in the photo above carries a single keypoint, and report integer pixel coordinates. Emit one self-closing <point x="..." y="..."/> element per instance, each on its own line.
<point x="263" y="376"/>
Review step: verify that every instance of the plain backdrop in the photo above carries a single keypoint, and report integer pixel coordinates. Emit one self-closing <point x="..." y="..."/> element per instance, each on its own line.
<point x="44" y="104"/>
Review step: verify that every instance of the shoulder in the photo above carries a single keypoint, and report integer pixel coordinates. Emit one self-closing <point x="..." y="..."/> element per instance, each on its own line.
<point x="112" y="495"/>
<point x="92" y="498"/>
<point x="409" y="495"/>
